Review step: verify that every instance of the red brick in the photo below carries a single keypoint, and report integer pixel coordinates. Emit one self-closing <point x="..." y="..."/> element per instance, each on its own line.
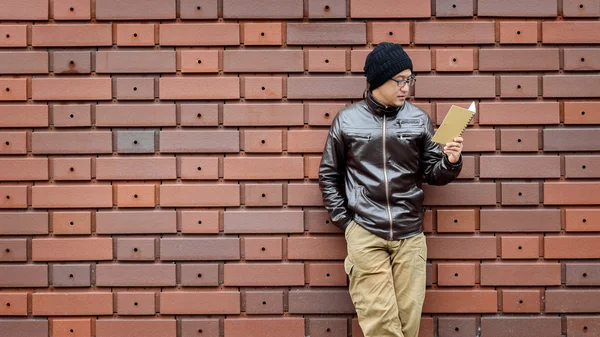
<point x="72" y="327"/>
<point x="479" y="140"/>
<point x="580" y="139"/>
<point x="327" y="9"/>
<point x="183" y="88"/>
<point x="461" y="301"/>
<point x="520" y="193"/>
<point x="25" y="62"/>
<point x="198" y="61"/>
<point x="263" y="141"/>
<point x="263" y="302"/>
<point x="396" y="32"/>
<point x="263" y="195"/>
<point x="263" y="87"/>
<point x="262" y="248"/>
<point x="582" y="274"/>
<point x="13" y="196"/>
<point x="457" y="326"/>
<point x="24" y="169"/>
<point x="306" y="194"/>
<point x="199" y="195"/>
<point x="571" y="300"/>
<point x="124" y="168"/>
<point x="326" y="275"/>
<point x="199" y="34"/>
<point x="135" y="303"/>
<point x="583" y="326"/>
<point x="327" y="33"/>
<point x="71" y="10"/>
<point x="320" y="302"/>
<point x="519" y="166"/>
<point x="582" y="219"/>
<point x="520" y="326"/>
<point x="519" y="140"/>
<point x="581" y="59"/>
<point x="135" y="34"/>
<point x="13" y="10"/>
<point x="71" y="35"/>
<point x="306" y="140"/>
<point x="80" y="249"/>
<point x="571" y="247"/>
<point x="468" y="169"/>
<point x="179" y="141"/>
<point x="199" y="274"/>
<point x="263" y="221"/>
<point x="455" y="87"/>
<point x="520" y="220"/>
<point x="518" y="32"/>
<point x="454" y="32"/>
<point x="54" y="89"/>
<point x="453" y="8"/>
<point x="571" y="85"/>
<point x="130" y="10"/>
<point x="471" y="194"/>
<point x="193" y="9"/>
<point x="23" y="223"/>
<point x="135" y="275"/>
<point x="518" y="59"/>
<point x="263" y="114"/>
<point x="389" y="9"/>
<point x="13" y="250"/>
<point x="322" y="114"/>
<point x="13" y="89"/>
<point x="456" y="220"/>
<point x="521" y="301"/>
<point x="571" y="193"/>
<point x="136" y="195"/>
<point x="71" y="115"/>
<point x="520" y="274"/>
<point x="200" y="302"/>
<point x="537" y="8"/>
<point x="255" y="168"/>
<point x="316" y="248"/>
<point x="570" y="32"/>
<point x="72" y="304"/>
<point x="317" y="221"/>
<point x="335" y="327"/>
<point x="457" y="274"/>
<point x="461" y="247"/>
<point x="341" y="87"/>
<point x="311" y="167"/>
<point x="267" y="34"/>
<point x="454" y="59"/>
<point x="580" y="8"/>
<point x="13" y="35"/>
<point x="264" y="327"/>
<point x="201" y="248"/>
<point x="71" y="223"/>
<point x="198" y="168"/>
<point x="199" y="222"/>
<point x="262" y="9"/>
<point x="136" y="328"/>
<point x="520" y="247"/>
<point x="13" y="142"/>
<point x="284" y="60"/>
<point x="71" y="196"/>
<point x="326" y="60"/>
<point x="530" y="113"/>
<point x="519" y="86"/>
<point x="23" y="275"/>
<point x="156" y="61"/>
<point x="264" y="274"/>
<point x="71" y="168"/>
<point x="199" y="114"/>
<point x="582" y="166"/>
<point x="134" y="88"/>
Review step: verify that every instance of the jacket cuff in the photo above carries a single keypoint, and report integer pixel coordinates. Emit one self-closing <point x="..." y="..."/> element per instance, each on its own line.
<point x="450" y="166"/>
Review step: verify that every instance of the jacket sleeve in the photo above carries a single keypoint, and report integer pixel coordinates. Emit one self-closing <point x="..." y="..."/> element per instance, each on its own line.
<point x="438" y="169"/>
<point x="332" y="171"/>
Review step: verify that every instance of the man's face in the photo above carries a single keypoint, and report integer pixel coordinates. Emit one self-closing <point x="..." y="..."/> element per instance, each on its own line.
<point x="391" y="93"/>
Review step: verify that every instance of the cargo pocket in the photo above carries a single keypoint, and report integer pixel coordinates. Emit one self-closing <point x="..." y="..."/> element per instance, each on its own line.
<point x="348" y="266"/>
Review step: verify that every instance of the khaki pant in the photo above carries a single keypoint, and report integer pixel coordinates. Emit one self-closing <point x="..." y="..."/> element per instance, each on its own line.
<point x="387" y="282"/>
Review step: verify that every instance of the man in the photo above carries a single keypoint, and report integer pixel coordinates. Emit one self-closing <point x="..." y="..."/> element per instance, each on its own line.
<point x="376" y="155"/>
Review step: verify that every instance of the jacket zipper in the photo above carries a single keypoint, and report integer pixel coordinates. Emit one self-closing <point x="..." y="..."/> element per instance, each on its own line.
<point x="387" y="190"/>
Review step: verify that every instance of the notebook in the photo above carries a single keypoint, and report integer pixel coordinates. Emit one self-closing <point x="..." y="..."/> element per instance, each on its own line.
<point x="454" y="123"/>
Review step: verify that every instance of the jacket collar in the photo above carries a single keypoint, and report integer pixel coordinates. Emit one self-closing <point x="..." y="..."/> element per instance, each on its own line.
<point x="379" y="109"/>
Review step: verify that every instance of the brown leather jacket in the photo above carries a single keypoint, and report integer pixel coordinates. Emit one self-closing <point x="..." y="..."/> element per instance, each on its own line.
<point x="377" y="183"/>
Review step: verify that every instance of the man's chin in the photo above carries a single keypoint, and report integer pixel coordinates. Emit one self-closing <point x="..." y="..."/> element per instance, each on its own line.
<point x="399" y="101"/>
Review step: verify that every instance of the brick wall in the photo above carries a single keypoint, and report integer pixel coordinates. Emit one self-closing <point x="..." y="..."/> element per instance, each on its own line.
<point x="159" y="165"/>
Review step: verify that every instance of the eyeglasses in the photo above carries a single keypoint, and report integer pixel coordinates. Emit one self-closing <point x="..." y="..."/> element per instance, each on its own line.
<point x="401" y="83"/>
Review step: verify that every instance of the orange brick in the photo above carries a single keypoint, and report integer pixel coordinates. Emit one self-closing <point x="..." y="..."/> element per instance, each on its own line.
<point x="322" y="114"/>
<point x="71" y="168"/>
<point x="72" y="196"/>
<point x="475" y="32"/>
<point x="571" y="247"/>
<point x="571" y="32"/>
<point x="582" y="112"/>
<point x="331" y="33"/>
<point x="317" y="248"/>
<point x="389" y="9"/>
<point x="254" y="168"/>
<point x="71" y="142"/>
<point x="71" y="35"/>
<point x="198" y="61"/>
<point x="518" y="59"/>
<point x="479" y="140"/>
<point x="581" y="59"/>
<point x="582" y="219"/>
<point x="460" y="301"/>
<point x="199" y="114"/>
<point x="263" y="194"/>
<point x="86" y="249"/>
<point x="130" y="10"/>
<point x="528" y="113"/>
<point x="136" y="303"/>
<point x="13" y="196"/>
<point x="200" y="34"/>
<point x="270" y="33"/>
<point x="71" y="115"/>
<point x="199" y="195"/>
<point x="135" y="34"/>
<point x="519" y="86"/>
<point x="24" y="169"/>
<point x="521" y="301"/>
<point x="326" y="60"/>
<point x="311" y="167"/>
<point x="199" y="222"/>
<point x="306" y="140"/>
<point x="396" y="32"/>
<point x="457" y="220"/>
<point x="275" y="114"/>
<point x="190" y="9"/>
<point x="326" y="275"/>
<point x="264" y="327"/>
<point x="81" y="327"/>
<point x="538" y="8"/>
<point x="327" y="9"/>
<point x="520" y="274"/>
<point x="23" y="62"/>
<point x="13" y="304"/>
<point x="263" y="248"/>
<point x="457" y="274"/>
<point x="518" y="32"/>
<point x="199" y="88"/>
<point x="199" y="302"/>
<point x="138" y="327"/>
<point x="461" y="247"/>
<point x="454" y="60"/>
<point x="269" y="61"/>
<point x="264" y="274"/>
<point x="455" y="86"/>
<point x="263" y="87"/>
<point x="71" y="223"/>
<point x="93" y="88"/>
<point x="34" y="115"/>
<point x="136" y="195"/>
<point x="13" y="35"/>
<point x="203" y="168"/>
<point x="520" y="247"/>
<point x="263" y="141"/>
<point x="519" y="140"/>
<point x="71" y="10"/>
<point x="304" y="194"/>
<point x="71" y="304"/>
<point x="13" y="89"/>
<point x="571" y="193"/>
<point x="24" y="10"/>
<point x="262" y="9"/>
<point x="330" y="87"/>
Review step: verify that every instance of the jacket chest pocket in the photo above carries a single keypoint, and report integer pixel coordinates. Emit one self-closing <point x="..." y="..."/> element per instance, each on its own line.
<point x="359" y="140"/>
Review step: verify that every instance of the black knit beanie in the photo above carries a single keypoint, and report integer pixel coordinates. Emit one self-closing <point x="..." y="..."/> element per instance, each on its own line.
<point x="385" y="62"/>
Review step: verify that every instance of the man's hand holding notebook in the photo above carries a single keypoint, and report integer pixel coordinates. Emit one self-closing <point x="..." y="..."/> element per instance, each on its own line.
<point x="454" y="124"/>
